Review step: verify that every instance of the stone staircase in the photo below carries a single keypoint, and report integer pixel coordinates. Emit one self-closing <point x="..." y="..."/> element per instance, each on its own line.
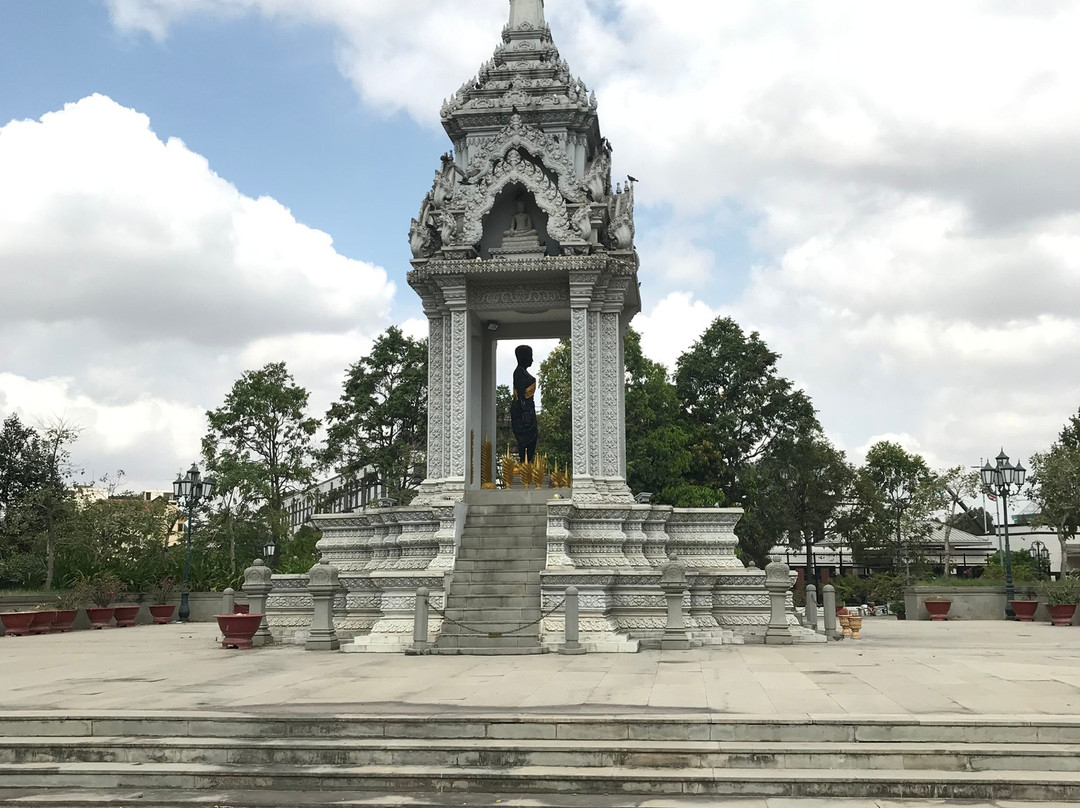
<point x="245" y="761"/>
<point x="496" y="582"/>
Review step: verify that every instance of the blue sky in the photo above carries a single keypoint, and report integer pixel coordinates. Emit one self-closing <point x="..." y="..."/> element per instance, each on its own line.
<point x="864" y="184"/>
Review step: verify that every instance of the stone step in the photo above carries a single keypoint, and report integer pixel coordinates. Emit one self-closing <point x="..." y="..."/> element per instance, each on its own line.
<point x="946" y="729"/>
<point x="743" y="782"/>
<point x="496" y="616"/>
<point x="485" y="602"/>
<point x="500" y="752"/>
<point x="507" y="511"/>
<point x="265" y="798"/>
<point x="494" y="552"/>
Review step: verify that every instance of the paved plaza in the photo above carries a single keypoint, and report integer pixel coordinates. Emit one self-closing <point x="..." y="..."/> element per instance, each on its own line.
<point x="898" y="668"/>
<point x="932" y="671"/>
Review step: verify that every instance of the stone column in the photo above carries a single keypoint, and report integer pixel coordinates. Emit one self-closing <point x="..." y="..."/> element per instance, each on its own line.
<point x="570" y="632"/>
<point x="323" y="585"/>
<point x="420" y="621"/>
<point x="778" y="582"/>
<point x="436" y="419"/>
<point x="581" y="378"/>
<point x="811" y="606"/>
<point x="257" y="585"/>
<point x="228" y="601"/>
<point x="457" y="389"/>
<point x="673" y="582"/>
<point x="828" y="612"/>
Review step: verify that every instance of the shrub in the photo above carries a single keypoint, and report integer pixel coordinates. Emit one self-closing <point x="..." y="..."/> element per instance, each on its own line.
<point x="101" y="589"/>
<point x="162" y="590"/>
<point x="1061" y="592"/>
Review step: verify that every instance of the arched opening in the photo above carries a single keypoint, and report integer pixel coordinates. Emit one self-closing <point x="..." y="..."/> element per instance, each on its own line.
<point x="516" y="226"/>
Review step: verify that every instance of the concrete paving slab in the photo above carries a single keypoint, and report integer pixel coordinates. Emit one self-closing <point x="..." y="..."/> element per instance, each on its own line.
<point x="904" y="668"/>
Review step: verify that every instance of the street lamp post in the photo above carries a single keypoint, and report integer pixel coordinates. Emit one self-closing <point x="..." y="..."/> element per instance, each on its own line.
<point x="192" y="489"/>
<point x="1003" y="480"/>
<point x="1041" y="553"/>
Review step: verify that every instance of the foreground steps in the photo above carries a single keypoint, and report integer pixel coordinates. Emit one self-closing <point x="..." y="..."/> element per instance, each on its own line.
<point x="493" y="602"/>
<point x="670" y="757"/>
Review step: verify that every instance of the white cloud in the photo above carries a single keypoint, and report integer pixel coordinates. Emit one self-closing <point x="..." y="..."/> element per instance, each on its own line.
<point x="138" y="284"/>
<point x="909" y="173"/>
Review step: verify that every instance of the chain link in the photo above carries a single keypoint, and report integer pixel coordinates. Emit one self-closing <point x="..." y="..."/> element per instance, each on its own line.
<point x="497" y="634"/>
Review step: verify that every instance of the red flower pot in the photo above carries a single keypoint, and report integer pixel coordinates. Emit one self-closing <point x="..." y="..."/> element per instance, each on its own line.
<point x="939" y="609"/>
<point x="238" y="629"/>
<point x="17" y="624"/>
<point x="125" y="616"/>
<point x="1024" y="609"/>
<point x="65" y="620"/>
<point x="100" y="616"/>
<point x="43" y="621"/>
<point x="1061" y="615"/>
<point x="162" y="613"/>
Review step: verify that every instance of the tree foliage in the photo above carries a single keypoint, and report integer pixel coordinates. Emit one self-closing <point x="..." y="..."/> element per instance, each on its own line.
<point x="259" y="444"/>
<point x="1054" y="486"/>
<point x="380" y="421"/>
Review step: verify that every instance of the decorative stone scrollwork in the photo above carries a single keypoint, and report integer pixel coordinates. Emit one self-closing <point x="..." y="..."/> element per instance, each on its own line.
<point x="512" y="169"/>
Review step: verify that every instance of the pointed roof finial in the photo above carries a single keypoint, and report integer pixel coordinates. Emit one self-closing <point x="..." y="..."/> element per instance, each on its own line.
<point x="526" y="11"/>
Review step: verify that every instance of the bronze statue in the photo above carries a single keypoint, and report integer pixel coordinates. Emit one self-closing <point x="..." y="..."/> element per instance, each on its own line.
<point x="523" y="407"/>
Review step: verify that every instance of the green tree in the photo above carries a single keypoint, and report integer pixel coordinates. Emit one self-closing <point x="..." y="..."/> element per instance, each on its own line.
<point x="897" y="496"/>
<point x="795" y="495"/>
<point x="1054" y="486"/>
<point x="504" y="435"/>
<point x="956" y="484"/>
<point x="380" y="421"/>
<point x="259" y="444"/>
<point x="737" y="406"/>
<point x="553" y="422"/>
<point x="976" y="521"/>
<point x="1069" y="437"/>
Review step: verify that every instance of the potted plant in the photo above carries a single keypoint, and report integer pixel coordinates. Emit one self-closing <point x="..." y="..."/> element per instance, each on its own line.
<point x="238" y="629"/>
<point x="17" y="624"/>
<point x="44" y="615"/>
<point x="67" y="609"/>
<point x="161" y="592"/>
<point x="1061" y="599"/>
<point x="938" y="607"/>
<point x="899" y="608"/>
<point x="1024" y="609"/>
<point x="102" y="590"/>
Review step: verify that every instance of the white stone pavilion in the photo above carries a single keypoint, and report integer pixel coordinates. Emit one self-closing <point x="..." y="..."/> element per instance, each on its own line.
<point x="525" y="236"/>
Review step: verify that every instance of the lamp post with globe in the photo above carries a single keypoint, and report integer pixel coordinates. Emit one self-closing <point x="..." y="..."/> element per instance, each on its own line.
<point x="192" y="489"/>
<point x="1003" y="480"/>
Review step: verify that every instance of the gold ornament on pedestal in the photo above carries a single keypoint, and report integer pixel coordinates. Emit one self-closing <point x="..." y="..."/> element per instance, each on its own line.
<point x="509" y="468"/>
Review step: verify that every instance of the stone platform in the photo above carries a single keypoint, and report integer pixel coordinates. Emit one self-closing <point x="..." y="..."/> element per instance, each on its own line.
<point x="990" y="711"/>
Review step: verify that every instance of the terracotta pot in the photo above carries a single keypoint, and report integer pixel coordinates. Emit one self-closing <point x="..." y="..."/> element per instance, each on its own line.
<point x="939" y="609"/>
<point x="65" y="620"/>
<point x="162" y="613"/>
<point x="1024" y="609"/>
<point x="125" y="615"/>
<point x="1062" y="614"/>
<point x="238" y="629"/>
<point x="845" y="624"/>
<point x="17" y="624"/>
<point x="43" y="621"/>
<point x="99" y="616"/>
<point x="856" y="626"/>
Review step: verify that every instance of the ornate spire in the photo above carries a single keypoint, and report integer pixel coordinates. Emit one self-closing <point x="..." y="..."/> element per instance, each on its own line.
<point x="526" y="11"/>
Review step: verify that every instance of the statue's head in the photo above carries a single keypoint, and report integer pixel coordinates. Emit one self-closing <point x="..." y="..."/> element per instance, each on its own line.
<point x="524" y="355"/>
<point x="521" y="205"/>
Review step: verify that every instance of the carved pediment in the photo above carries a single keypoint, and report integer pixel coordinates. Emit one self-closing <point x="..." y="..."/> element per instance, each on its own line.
<point x="552" y="153"/>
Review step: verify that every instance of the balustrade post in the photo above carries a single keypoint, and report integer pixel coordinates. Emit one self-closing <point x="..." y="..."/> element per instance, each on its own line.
<point x="570" y="610"/>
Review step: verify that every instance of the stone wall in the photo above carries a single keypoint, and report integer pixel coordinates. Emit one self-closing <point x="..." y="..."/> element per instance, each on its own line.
<point x="968" y="602"/>
<point x="204" y="605"/>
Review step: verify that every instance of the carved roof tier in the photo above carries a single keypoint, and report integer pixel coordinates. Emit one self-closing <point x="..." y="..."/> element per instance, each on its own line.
<point x="525" y="133"/>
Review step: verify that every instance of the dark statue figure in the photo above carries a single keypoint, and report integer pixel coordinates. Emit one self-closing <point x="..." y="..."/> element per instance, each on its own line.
<point x="523" y="407"/>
